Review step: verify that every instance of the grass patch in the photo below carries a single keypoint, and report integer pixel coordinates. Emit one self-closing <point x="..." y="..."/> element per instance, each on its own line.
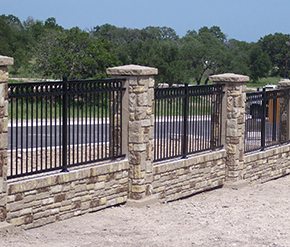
<point x="25" y="71"/>
<point x="197" y="106"/>
<point x="22" y="109"/>
<point x="264" y="81"/>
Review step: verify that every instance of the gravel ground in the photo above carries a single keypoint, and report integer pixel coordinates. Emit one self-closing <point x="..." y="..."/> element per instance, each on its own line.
<point x="251" y="216"/>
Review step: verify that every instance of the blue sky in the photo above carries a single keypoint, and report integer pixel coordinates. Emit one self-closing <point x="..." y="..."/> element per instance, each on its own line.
<point x="244" y="20"/>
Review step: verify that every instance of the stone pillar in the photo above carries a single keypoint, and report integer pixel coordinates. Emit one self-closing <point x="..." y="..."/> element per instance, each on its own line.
<point x="4" y="62"/>
<point x="138" y="127"/>
<point x="233" y="110"/>
<point x="284" y="110"/>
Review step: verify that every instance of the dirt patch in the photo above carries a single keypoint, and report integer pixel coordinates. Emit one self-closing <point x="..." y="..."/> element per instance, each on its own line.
<point x="251" y="216"/>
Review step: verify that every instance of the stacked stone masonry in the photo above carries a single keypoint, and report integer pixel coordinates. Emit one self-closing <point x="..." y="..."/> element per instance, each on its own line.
<point x="140" y="100"/>
<point x="4" y="62"/>
<point x="270" y="164"/>
<point x="42" y="200"/>
<point x="184" y="177"/>
<point x="273" y="162"/>
<point x="234" y="125"/>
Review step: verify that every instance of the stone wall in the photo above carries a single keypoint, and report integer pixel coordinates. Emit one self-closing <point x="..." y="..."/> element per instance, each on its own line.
<point x="274" y="162"/>
<point x="184" y="177"/>
<point x="233" y="109"/>
<point x="4" y="62"/>
<point x="267" y="165"/>
<point x="140" y="125"/>
<point x="41" y="200"/>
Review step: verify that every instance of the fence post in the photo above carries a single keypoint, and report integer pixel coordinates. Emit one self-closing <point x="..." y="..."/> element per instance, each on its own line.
<point x="64" y="125"/>
<point x="284" y="110"/>
<point x="185" y="119"/>
<point x="263" y="121"/>
<point x="233" y="122"/>
<point x="138" y="128"/>
<point x="4" y="62"/>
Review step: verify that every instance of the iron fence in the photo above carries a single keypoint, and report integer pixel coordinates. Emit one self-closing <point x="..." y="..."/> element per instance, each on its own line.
<point x="187" y="120"/>
<point x="265" y="124"/>
<point x="57" y="125"/>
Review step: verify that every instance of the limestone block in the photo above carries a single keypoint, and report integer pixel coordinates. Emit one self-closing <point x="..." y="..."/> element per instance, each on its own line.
<point x="284" y="83"/>
<point x="132" y="69"/>
<point x="6" y="108"/>
<point x="149" y="111"/>
<point x="4" y="124"/>
<point x="235" y="93"/>
<point x="230" y="104"/>
<point x="238" y="101"/>
<point x="132" y="116"/>
<point x="142" y="99"/>
<point x="133" y="80"/>
<point x="3" y="140"/>
<point x="146" y="123"/>
<point x="3" y="74"/>
<point x="143" y="81"/>
<point x="150" y="95"/>
<point x="232" y="149"/>
<point x="56" y="189"/>
<point x="132" y="102"/>
<point x="135" y="131"/>
<point x="103" y="200"/>
<point x="3" y="89"/>
<point x="236" y="112"/>
<point x="26" y="211"/>
<point x="151" y="82"/>
<point x="140" y="113"/>
<point x="232" y="123"/>
<point x="4" y="61"/>
<point x="137" y="173"/>
<point x="149" y="167"/>
<point x="232" y="132"/>
<point x="139" y="89"/>
<point x="229" y="77"/>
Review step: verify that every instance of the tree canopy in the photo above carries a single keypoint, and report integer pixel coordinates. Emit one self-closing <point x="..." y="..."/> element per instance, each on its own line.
<point x="46" y="48"/>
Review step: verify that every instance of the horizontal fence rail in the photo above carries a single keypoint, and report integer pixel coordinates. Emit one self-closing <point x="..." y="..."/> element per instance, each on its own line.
<point x="187" y="120"/>
<point x="264" y="119"/>
<point x="56" y="125"/>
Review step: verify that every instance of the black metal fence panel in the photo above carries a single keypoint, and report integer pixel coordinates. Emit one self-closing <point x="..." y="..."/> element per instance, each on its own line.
<point x="187" y="120"/>
<point x="56" y="125"/>
<point x="263" y="119"/>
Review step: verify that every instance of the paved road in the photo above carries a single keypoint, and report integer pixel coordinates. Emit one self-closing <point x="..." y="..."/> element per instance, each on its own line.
<point x="38" y="136"/>
<point x="80" y="133"/>
<point x="52" y="135"/>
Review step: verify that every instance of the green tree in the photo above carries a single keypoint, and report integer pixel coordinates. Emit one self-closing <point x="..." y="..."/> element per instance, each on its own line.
<point x="237" y="59"/>
<point x="259" y="63"/>
<point x="5" y="38"/>
<point x="203" y="53"/>
<point x="14" y="40"/>
<point x="150" y="46"/>
<point x="277" y="47"/>
<point x="165" y="56"/>
<point x="73" y="53"/>
<point x="158" y="33"/>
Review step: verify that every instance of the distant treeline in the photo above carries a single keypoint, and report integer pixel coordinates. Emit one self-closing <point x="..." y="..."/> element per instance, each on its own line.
<point x="49" y="50"/>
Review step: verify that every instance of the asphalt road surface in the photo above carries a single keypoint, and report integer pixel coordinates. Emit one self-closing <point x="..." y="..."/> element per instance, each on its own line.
<point x="39" y="136"/>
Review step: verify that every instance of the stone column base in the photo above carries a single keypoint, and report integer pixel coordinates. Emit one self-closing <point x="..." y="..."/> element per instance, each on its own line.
<point x="235" y="185"/>
<point x="153" y="199"/>
<point x="6" y="228"/>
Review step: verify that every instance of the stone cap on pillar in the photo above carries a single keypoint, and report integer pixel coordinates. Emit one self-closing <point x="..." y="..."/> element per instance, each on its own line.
<point x="6" y="60"/>
<point x="284" y="83"/>
<point x="229" y="77"/>
<point x="132" y="70"/>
